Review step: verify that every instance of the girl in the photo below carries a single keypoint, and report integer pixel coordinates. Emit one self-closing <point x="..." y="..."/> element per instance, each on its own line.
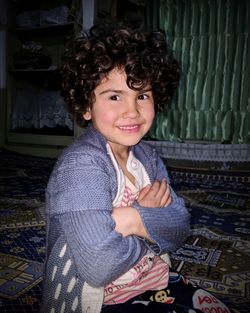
<point x="112" y="216"/>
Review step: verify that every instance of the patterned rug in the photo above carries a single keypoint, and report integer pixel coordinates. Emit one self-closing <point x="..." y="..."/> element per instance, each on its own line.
<point x="215" y="256"/>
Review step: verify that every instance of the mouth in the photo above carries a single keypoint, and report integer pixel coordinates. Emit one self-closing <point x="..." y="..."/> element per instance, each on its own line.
<point x="129" y="128"/>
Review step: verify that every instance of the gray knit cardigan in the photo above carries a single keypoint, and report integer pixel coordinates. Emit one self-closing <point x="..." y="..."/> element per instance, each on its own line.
<point x="82" y="245"/>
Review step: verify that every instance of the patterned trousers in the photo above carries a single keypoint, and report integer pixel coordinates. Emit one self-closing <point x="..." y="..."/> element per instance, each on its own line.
<point x="180" y="296"/>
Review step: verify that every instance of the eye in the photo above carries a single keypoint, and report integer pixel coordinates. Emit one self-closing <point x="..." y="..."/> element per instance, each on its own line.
<point x="143" y="96"/>
<point x="114" y="98"/>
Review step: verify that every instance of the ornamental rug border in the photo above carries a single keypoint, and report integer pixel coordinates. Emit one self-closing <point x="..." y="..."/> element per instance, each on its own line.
<point x="218" y="263"/>
<point x="18" y="213"/>
<point x="217" y="201"/>
<point x="18" y="275"/>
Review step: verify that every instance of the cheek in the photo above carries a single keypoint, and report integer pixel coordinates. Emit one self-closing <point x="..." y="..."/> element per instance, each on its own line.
<point x="105" y="116"/>
<point x="151" y="114"/>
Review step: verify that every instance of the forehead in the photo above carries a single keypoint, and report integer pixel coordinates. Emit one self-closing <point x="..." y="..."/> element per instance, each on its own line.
<point x="113" y="75"/>
<point x="118" y="77"/>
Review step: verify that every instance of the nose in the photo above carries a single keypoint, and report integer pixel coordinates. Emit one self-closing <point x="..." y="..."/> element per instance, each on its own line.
<point x="131" y="109"/>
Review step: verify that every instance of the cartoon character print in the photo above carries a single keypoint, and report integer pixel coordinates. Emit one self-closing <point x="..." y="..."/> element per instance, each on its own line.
<point x="162" y="296"/>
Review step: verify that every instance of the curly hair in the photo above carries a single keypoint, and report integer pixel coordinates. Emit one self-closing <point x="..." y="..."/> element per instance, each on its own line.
<point x="144" y="56"/>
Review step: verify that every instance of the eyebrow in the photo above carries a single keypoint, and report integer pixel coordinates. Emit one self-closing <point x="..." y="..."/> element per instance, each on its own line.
<point x="121" y="91"/>
<point x="110" y="90"/>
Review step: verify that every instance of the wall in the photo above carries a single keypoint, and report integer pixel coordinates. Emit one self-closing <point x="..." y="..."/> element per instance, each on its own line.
<point x="3" y="21"/>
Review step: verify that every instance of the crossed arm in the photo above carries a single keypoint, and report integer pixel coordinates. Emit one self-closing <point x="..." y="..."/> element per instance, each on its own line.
<point x="94" y="236"/>
<point x="129" y="222"/>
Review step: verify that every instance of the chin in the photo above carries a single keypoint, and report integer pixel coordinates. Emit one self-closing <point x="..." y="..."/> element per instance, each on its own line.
<point x="131" y="142"/>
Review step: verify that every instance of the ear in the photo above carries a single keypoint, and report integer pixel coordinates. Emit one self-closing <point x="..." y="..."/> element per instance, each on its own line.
<point x="87" y="115"/>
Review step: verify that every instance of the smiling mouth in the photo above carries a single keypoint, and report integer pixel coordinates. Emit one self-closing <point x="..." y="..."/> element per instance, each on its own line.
<point x="129" y="127"/>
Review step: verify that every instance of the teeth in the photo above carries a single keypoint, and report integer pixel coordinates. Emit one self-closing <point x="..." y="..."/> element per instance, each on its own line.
<point x="128" y="127"/>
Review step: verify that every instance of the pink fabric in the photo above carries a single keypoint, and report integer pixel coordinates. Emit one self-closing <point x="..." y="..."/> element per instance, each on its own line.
<point x="150" y="273"/>
<point x="128" y="197"/>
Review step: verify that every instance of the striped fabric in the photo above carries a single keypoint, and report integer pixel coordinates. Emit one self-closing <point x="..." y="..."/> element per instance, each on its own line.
<point x="150" y="273"/>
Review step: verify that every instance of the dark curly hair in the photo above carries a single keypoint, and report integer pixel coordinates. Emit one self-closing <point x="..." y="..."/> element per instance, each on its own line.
<point x="145" y="57"/>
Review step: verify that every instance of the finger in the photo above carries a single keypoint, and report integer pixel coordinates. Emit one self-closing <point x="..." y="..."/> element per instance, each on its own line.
<point x="155" y="188"/>
<point x="163" y="187"/>
<point x="143" y="192"/>
<point x="166" y="198"/>
<point x="169" y="201"/>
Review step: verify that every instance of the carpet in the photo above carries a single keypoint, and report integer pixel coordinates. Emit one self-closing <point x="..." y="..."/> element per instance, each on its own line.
<point x="21" y="213"/>
<point x="215" y="255"/>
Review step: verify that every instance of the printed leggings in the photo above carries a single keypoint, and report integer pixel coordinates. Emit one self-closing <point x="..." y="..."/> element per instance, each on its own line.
<point x="180" y="296"/>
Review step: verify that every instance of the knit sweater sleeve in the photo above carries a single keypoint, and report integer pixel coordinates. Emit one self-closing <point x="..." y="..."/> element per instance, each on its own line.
<point x="168" y="227"/>
<point x="79" y="198"/>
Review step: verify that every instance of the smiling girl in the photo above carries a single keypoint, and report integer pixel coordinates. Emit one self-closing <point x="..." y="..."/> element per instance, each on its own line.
<point x="112" y="216"/>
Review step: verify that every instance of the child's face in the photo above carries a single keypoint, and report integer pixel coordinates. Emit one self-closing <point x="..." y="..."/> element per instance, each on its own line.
<point x="121" y="114"/>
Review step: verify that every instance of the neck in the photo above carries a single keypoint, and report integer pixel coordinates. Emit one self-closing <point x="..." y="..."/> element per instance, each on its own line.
<point x="122" y="160"/>
<point x="120" y="153"/>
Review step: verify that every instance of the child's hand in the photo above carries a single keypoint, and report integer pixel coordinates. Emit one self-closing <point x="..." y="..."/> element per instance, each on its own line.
<point x="155" y="196"/>
<point x="128" y="222"/>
